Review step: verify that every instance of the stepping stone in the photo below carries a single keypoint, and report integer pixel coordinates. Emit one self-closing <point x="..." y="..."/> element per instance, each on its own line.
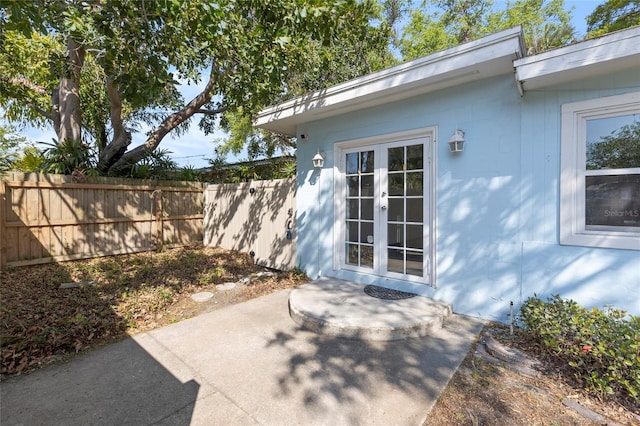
<point x="77" y="284"/>
<point x="204" y="296"/>
<point x="226" y="286"/>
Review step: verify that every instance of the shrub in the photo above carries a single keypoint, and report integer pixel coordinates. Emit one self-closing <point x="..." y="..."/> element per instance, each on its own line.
<point x="601" y="346"/>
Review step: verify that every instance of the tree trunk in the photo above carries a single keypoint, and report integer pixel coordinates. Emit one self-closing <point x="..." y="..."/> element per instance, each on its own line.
<point x="112" y="152"/>
<point x="168" y="124"/>
<point x="69" y="95"/>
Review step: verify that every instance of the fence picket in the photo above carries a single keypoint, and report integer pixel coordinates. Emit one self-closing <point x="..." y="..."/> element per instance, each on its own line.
<point x="48" y="218"/>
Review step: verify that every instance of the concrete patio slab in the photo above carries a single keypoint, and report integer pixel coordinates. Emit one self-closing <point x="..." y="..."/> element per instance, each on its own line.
<point x="242" y="365"/>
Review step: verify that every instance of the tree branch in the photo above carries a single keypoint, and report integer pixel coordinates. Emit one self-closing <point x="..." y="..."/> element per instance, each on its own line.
<point x="168" y="124"/>
<point x="121" y="137"/>
<point x="212" y="111"/>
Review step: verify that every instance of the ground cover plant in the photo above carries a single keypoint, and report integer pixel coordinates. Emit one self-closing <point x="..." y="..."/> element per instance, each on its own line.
<point x="602" y="347"/>
<point x="491" y="393"/>
<point x="41" y="323"/>
<point x="588" y="371"/>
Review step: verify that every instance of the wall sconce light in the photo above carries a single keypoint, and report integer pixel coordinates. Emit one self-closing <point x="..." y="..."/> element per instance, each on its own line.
<point x="318" y="160"/>
<point x="456" y="143"/>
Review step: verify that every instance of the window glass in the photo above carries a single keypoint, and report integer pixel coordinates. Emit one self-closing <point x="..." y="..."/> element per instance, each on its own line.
<point x="613" y="200"/>
<point x="613" y="142"/>
<point x="600" y="185"/>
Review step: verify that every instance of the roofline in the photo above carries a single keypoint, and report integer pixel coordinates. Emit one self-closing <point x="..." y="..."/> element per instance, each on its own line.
<point x="425" y="71"/>
<point x="610" y="52"/>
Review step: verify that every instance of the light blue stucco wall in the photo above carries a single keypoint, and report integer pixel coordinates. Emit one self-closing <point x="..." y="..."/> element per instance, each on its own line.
<point x="497" y="202"/>
<point x="592" y="276"/>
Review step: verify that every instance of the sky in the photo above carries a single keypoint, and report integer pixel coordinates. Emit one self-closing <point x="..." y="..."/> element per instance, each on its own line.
<point x="193" y="148"/>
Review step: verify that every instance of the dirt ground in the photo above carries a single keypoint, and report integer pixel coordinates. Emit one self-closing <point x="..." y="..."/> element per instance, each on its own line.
<point x="114" y="297"/>
<point x="486" y="391"/>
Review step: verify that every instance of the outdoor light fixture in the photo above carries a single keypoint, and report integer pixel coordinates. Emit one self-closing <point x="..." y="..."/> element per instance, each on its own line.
<point x="456" y="143"/>
<point x="318" y="160"/>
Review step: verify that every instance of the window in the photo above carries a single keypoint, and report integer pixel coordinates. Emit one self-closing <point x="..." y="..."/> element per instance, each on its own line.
<point x="600" y="173"/>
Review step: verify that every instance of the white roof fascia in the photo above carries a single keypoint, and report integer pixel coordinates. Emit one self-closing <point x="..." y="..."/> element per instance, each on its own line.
<point x="611" y="52"/>
<point x="482" y="58"/>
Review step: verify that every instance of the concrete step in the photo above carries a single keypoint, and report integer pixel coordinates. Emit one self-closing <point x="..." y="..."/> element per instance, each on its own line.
<point x="341" y="308"/>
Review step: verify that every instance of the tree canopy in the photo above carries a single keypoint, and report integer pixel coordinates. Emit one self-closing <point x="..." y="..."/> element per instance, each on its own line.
<point x="619" y="150"/>
<point x="440" y="24"/>
<point x="100" y="70"/>
<point x="613" y="15"/>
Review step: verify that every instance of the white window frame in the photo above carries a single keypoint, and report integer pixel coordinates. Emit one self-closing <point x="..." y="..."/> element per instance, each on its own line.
<point x="573" y="172"/>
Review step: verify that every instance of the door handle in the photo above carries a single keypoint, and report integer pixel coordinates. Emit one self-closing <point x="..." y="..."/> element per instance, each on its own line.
<point x="383" y="207"/>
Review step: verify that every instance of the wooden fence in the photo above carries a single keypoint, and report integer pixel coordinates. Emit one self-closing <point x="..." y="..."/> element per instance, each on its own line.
<point x="46" y="218"/>
<point x="256" y="217"/>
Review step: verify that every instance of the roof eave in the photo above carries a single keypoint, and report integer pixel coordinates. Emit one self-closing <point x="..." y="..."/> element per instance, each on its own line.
<point x="482" y="58"/>
<point x="609" y="53"/>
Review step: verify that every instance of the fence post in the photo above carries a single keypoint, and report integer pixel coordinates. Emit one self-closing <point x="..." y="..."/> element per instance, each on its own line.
<point x="3" y="242"/>
<point x="159" y="226"/>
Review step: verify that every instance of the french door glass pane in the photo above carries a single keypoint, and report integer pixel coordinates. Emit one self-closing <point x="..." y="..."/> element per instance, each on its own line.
<point x="414" y="209"/>
<point x="414" y="157"/>
<point x="405" y="216"/>
<point x="352" y="163"/>
<point x="352" y="211"/>
<point x="415" y="260"/>
<point x="352" y="231"/>
<point x="396" y="159"/>
<point x="395" y="261"/>
<point x="414" y="236"/>
<point x="396" y="209"/>
<point x="396" y="184"/>
<point x="403" y="220"/>
<point x="395" y="235"/>
<point x="366" y="232"/>
<point x="353" y="185"/>
<point x="353" y="254"/>
<point x="366" y="258"/>
<point x="366" y="162"/>
<point x="366" y="212"/>
<point x="414" y="183"/>
<point x="366" y="186"/>
<point x="360" y="233"/>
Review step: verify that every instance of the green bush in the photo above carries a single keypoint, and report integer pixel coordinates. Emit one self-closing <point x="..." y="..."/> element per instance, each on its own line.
<point x="601" y="346"/>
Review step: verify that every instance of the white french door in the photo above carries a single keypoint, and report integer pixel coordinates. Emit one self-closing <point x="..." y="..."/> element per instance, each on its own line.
<point x="384" y="202"/>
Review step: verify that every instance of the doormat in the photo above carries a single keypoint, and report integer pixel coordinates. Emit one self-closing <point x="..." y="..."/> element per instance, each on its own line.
<point x="386" y="293"/>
